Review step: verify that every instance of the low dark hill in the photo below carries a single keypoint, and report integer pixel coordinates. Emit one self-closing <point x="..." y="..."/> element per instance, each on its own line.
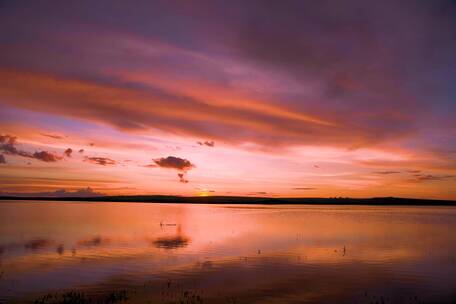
<point x="384" y="201"/>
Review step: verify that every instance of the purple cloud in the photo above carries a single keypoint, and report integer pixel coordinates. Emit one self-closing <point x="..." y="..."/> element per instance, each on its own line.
<point x="173" y="162"/>
<point x="68" y="152"/>
<point x="206" y="143"/>
<point x="7" y="145"/>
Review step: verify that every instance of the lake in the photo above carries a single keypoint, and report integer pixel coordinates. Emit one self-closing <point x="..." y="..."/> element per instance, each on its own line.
<point x="167" y="253"/>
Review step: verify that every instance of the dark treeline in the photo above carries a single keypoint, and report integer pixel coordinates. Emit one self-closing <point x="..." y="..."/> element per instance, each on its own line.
<point x="387" y="201"/>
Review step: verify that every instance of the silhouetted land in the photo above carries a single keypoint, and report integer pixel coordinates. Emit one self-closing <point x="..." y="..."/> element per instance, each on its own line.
<point x="384" y="201"/>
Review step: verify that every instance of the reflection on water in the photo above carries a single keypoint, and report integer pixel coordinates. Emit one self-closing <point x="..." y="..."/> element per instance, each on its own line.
<point x="229" y="254"/>
<point x="37" y="244"/>
<point x="93" y="241"/>
<point x="172" y="242"/>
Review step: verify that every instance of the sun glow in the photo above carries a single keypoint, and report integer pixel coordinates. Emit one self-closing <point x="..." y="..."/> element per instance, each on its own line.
<point x="204" y="192"/>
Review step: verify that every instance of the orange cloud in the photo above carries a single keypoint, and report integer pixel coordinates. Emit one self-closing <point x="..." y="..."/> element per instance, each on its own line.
<point x="145" y="108"/>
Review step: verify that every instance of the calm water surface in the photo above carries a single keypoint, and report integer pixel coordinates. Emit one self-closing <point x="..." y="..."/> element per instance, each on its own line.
<point x="229" y="253"/>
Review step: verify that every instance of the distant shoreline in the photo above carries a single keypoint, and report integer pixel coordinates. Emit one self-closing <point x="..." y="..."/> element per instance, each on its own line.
<point x="376" y="201"/>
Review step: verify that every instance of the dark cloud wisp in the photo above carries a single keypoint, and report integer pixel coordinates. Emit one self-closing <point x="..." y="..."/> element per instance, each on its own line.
<point x="8" y="146"/>
<point x="386" y="172"/>
<point x="52" y="136"/>
<point x="68" y="152"/>
<point x="103" y="161"/>
<point x="431" y="177"/>
<point x="182" y="178"/>
<point x="206" y="143"/>
<point x="173" y="162"/>
<point x="83" y="192"/>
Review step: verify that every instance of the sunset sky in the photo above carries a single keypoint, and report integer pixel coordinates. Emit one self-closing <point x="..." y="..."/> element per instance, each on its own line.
<point x="258" y="98"/>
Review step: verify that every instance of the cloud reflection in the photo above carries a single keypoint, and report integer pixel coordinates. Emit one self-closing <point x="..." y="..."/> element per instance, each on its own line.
<point x="94" y="241"/>
<point x="36" y="244"/>
<point x="171" y="242"/>
<point x="179" y="240"/>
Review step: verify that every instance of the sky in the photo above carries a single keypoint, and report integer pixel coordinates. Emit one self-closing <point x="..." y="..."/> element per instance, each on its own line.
<point x="252" y="98"/>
